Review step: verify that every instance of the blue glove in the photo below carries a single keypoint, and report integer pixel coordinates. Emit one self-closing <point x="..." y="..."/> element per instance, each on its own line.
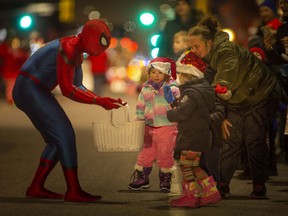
<point x="168" y="94"/>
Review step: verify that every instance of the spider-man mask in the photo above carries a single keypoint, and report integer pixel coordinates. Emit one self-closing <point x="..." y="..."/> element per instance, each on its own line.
<point x="95" y="37"/>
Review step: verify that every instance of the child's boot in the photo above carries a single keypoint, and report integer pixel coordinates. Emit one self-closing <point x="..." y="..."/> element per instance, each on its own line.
<point x="210" y="193"/>
<point x="165" y="176"/>
<point x="190" y="196"/>
<point x="140" y="178"/>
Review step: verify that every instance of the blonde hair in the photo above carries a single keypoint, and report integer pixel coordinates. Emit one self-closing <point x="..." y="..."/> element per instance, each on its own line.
<point x="207" y="28"/>
<point x="184" y="78"/>
<point x="183" y="34"/>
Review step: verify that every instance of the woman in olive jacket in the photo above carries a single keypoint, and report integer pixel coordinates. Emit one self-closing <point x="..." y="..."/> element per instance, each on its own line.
<point x="249" y="85"/>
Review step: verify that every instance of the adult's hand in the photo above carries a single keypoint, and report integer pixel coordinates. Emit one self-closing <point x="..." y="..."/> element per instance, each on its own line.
<point x="225" y="128"/>
<point x="284" y="41"/>
<point x="269" y="41"/>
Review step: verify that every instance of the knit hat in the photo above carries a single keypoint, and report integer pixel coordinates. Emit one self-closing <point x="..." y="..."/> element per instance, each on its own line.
<point x="165" y="65"/>
<point x="260" y="51"/>
<point x="268" y="3"/>
<point x="189" y="63"/>
<point x="187" y="1"/>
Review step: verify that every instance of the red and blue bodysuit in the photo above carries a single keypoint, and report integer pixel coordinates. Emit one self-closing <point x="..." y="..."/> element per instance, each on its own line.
<point x="59" y="63"/>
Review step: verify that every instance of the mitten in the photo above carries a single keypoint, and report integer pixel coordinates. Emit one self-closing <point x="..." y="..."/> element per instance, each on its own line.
<point x="168" y="94"/>
<point x="220" y="89"/>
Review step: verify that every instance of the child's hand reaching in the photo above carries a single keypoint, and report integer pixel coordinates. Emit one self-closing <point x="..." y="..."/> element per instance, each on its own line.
<point x="168" y="94"/>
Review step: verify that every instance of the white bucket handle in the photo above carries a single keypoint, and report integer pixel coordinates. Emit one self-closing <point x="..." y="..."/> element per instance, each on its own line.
<point x="127" y="116"/>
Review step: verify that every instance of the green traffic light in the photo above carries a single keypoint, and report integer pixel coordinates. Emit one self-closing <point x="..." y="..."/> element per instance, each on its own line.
<point x="25" y="22"/>
<point x="154" y="39"/>
<point x="154" y="52"/>
<point x="147" y="19"/>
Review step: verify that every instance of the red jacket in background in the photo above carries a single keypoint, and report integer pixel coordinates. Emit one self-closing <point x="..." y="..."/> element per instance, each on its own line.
<point x="99" y="64"/>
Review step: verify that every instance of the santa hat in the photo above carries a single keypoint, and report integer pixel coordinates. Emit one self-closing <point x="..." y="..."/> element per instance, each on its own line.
<point x="260" y="51"/>
<point x="268" y="3"/>
<point x="164" y="65"/>
<point x="189" y="63"/>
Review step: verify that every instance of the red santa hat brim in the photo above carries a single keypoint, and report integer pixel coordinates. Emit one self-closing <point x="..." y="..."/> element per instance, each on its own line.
<point x="188" y="68"/>
<point x="164" y="65"/>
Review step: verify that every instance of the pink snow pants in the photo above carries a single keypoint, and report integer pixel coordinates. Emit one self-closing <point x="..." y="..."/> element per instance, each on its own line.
<point x="158" y="144"/>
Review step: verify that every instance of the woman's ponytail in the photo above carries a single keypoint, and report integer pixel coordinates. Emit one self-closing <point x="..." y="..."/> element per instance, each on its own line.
<point x="207" y="27"/>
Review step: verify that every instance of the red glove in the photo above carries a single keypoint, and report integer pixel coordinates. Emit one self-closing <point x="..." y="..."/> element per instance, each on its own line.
<point x="109" y="103"/>
<point x="220" y="89"/>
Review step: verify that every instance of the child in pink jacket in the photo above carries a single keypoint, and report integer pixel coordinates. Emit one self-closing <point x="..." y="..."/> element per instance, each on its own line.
<point x="160" y="133"/>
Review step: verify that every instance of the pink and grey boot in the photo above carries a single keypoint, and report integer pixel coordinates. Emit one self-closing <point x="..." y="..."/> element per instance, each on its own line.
<point x="210" y="193"/>
<point x="190" y="196"/>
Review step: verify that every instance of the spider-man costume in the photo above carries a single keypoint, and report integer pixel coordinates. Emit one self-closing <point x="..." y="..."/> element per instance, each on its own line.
<point x="59" y="63"/>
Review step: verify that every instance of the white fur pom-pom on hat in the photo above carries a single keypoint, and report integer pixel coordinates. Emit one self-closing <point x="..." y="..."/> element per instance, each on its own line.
<point x="164" y="65"/>
<point x="189" y="63"/>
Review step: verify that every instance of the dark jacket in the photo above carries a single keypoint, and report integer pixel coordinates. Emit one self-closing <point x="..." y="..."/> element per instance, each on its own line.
<point x="173" y="26"/>
<point x="217" y="114"/>
<point x="193" y="116"/>
<point x="249" y="80"/>
<point x="274" y="55"/>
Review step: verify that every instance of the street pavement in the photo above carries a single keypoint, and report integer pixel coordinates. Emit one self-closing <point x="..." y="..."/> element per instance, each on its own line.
<point x="107" y="174"/>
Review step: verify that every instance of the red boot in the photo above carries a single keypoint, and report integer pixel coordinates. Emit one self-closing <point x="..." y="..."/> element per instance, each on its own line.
<point x="36" y="189"/>
<point x="74" y="191"/>
<point x="190" y="196"/>
<point x="210" y="193"/>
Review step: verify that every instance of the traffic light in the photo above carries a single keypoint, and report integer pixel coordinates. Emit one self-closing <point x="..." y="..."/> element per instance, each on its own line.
<point x="154" y="39"/>
<point x="154" y="52"/>
<point x="25" y="22"/>
<point x="147" y="18"/>
<point x="154" y="42"/>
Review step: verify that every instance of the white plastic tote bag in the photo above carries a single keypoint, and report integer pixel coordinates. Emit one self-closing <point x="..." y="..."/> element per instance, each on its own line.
<point x="125" y="137"/>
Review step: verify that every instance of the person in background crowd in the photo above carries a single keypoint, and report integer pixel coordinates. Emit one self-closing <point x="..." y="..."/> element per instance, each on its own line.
<point x="99" y="67"/>
<point x="240" y="72"/>
<point x="180" y="43"/>
<point x="160" y="133"/>
<point x="268" y="18"/>
<point x="12" y="62"/>
<point x="272" y="130"/>
<point x="276" y="49"/>
<point x="186" y="17"/>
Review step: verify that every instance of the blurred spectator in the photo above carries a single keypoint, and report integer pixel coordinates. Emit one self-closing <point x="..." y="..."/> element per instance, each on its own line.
<point x="99" y="67"/>
<point x="186" y="17"/>
<point x="269" y="18"/>
<point x="180" y="43"/>
<point x="4" y="47"/>
<point x="272" y="105"/>
<point x="13" y="57"/>
<point x="277" y="54"/>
